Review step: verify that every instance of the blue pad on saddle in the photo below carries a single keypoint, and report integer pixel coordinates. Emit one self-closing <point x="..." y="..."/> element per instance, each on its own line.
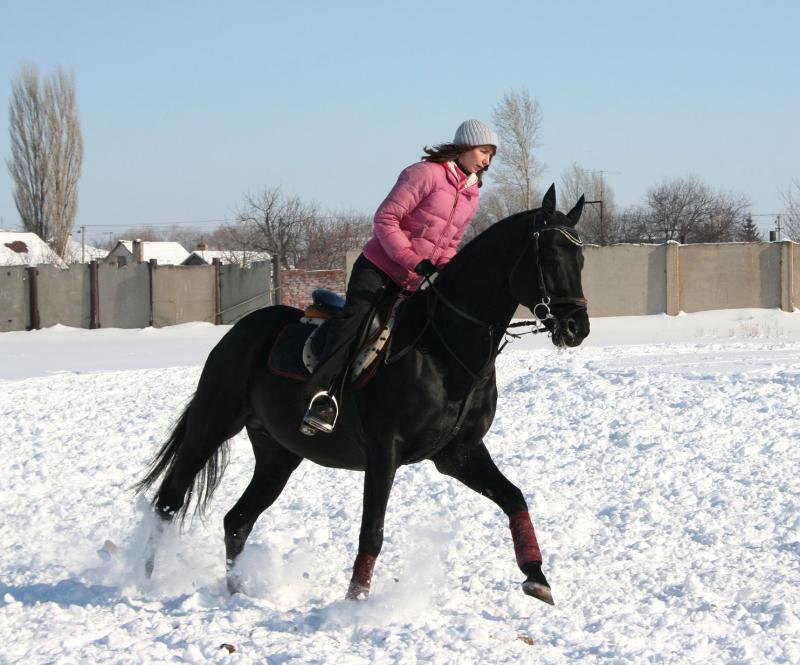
<point x="327" y="301"/>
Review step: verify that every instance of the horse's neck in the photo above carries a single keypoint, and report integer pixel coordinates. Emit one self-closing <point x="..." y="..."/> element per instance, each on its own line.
<point x="477" y="282"/>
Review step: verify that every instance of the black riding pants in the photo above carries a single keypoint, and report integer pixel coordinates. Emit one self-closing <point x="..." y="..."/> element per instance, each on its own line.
<point x="367" y="288"/>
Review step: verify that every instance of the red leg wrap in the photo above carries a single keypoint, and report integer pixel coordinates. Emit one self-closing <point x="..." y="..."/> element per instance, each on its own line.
<point x="362" y="570"/>
<point x="526" y="547"/>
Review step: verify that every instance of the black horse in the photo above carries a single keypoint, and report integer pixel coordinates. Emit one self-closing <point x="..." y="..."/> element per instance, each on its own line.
<point x="435" y="398"/>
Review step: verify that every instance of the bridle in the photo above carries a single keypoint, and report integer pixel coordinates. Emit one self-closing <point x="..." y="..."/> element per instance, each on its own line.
<point x="541" y="311"/>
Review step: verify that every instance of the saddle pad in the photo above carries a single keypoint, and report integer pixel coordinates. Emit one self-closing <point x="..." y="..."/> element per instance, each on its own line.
<point x="286" y="355"/>
<point x="292" y="357"/>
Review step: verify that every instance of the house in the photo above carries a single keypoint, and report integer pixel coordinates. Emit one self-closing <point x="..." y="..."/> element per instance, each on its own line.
<point x="22" y="248"/>
<point x="138" y="251"/>
<point x="204" y="257"/>
<point x="77" y="253"/>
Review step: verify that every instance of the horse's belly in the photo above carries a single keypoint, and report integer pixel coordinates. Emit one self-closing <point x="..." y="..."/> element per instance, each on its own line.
<point x="334" y="450"/>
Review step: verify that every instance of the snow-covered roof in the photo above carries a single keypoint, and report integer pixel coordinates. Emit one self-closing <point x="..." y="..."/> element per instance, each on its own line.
<point x="165" y="253"/>
<point x="227" y="256"/>
<point x="22" y="248"/>
<point x="74" y="252"/>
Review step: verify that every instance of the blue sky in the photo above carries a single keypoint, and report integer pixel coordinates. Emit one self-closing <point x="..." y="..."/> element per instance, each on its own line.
<point x="185" y="106"/>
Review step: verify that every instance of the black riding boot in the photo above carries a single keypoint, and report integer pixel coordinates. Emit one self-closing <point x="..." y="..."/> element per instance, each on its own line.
<point x="368" y="286"/>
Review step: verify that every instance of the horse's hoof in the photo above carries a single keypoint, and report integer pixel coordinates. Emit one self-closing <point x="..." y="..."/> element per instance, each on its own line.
<point x="537" y="590"/>
<point x="357" y="592"/>
<point x="235" y="585"/>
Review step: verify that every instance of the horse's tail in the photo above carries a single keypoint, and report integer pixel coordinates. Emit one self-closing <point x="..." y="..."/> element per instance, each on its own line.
<point x="188" y="470"/>
<point x="194" y="456"/>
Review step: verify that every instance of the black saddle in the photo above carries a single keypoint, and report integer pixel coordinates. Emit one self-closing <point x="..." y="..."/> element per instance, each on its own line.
<point x="286" y="355"/>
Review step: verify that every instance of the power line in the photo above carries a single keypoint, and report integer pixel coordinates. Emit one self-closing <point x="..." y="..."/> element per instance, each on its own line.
<point x="199" y="222"/>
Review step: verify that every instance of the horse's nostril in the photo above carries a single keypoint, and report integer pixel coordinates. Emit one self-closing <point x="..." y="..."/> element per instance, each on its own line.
<point x="572" y="327"/>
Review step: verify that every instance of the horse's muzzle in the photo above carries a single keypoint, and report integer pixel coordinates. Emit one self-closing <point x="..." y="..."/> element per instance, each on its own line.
<point x="571" y="329"/>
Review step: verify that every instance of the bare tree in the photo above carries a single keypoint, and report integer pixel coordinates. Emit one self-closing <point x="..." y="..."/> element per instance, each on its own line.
<point x="791" y="198"/>
<point x="600" y="223"/>
<point x="188" y="236"/>
<point x="517" y="119"/>
<point x="728" y="216"/>
<point x="276" y="223"/>
<point x="329" y="238"/>
<point x="65" y="144"/>
<point x="28" y="165"/>
<point x="686" y="208"/>
<point x="46" y="154"/>
<point x="633" y="224"/>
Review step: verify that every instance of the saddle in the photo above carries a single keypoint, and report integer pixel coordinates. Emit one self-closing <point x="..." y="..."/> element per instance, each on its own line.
<point x="298" y="346"/>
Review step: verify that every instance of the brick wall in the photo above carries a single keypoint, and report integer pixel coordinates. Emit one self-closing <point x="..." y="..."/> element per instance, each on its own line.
<point x="297" y="285"/>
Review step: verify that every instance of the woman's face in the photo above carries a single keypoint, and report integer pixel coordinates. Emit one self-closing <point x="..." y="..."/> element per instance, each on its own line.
<point x="477" y="158"/>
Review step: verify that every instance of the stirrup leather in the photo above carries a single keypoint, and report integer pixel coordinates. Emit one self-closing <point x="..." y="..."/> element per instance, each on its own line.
<point x="314" y="419"/>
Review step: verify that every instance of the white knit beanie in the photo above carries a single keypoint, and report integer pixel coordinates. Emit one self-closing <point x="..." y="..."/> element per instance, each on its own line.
<point x="474" y="132"/>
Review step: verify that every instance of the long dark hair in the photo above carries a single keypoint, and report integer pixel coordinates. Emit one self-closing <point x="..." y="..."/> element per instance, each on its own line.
<point x="449" y="152"/>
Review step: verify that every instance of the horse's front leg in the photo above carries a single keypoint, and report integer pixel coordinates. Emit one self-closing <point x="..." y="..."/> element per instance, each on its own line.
<point x="378" y="478"/>
<point x="476" y="469"/>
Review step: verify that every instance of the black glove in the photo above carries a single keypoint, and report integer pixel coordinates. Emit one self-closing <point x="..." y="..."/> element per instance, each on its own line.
<point x="425" y="268"/>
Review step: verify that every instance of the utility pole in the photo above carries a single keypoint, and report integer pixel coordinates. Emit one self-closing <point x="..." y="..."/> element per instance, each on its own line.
<point x="602" y="197"/>
<point x="602" y="230"/>
<point x="83" y="244"/>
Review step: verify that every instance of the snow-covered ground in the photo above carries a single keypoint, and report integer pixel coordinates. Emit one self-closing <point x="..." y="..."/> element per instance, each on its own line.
<point x="660" y="461"/>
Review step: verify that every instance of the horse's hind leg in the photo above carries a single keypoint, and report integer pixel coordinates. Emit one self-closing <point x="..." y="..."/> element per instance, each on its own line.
<point x="197" y="441"/>
<point x="476" y="469"/>
<point x="274" y="465"/>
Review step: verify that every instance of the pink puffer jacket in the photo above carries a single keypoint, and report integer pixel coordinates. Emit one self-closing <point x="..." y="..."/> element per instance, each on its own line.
<point x="424" y="217"/>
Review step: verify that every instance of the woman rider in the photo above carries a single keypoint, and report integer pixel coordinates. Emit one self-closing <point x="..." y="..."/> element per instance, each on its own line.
<point x="416" y="231"/>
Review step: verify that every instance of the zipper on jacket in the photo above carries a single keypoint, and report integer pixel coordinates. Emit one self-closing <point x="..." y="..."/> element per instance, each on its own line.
<point x="436" y="247"/>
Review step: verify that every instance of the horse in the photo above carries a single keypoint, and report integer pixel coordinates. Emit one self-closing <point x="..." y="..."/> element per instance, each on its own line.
<point x="432" y="397"/>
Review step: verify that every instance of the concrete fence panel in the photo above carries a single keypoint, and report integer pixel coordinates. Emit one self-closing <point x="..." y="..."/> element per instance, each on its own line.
<point x="14" y="298"/>
<point x="182" y="294"/>
<point x="625" y="280"/>
<point x="64" y="296"/>
<point x="795" y="275"/>
<point x="243" y="291"/>
<point x="622" y="280"/>
<point x="124" y="298"/>
<point x="728" y="276"/>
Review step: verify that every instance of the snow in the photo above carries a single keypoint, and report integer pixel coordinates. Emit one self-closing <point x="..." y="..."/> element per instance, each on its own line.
<point x="164" y="252"/>
<point x="659" y="460"/>
<point x="75" y="251"/>
<point x="21" y="248"/>
<point x="229" y="256"/>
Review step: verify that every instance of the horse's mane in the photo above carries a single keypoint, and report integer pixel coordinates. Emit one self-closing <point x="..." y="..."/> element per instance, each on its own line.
<point x="495" y="237"/>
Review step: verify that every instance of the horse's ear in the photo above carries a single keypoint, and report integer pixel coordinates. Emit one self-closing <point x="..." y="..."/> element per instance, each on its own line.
<point x="549" y="200"/>
<point x="575" y="214"/>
